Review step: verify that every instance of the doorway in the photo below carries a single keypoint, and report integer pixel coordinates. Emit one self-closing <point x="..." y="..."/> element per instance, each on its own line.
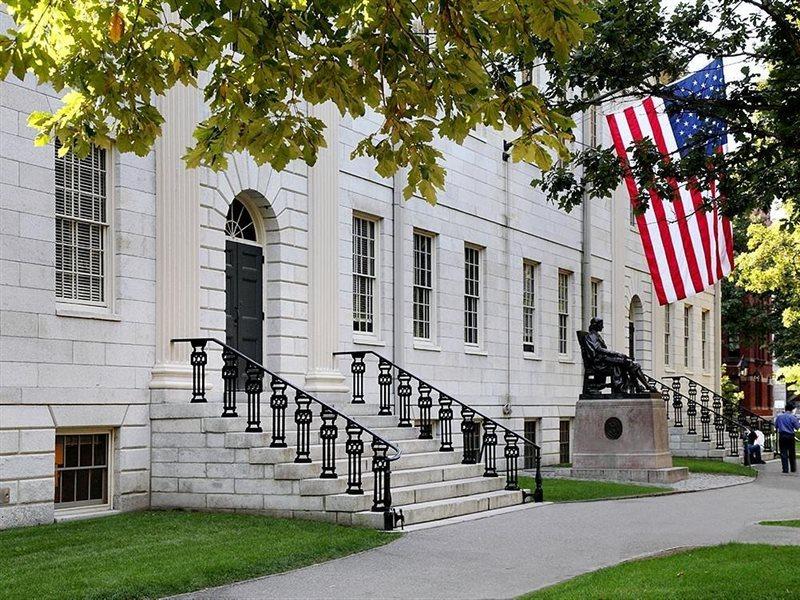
<point x="244" y="286"/>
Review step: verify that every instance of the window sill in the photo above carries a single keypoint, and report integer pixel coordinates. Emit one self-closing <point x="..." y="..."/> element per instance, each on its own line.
<point x="531" y="356"/>
<point x="668" y="369"/>
<point x="83" y="512"/>
<point x="368" y="341"/>
<point x="566" y="360"/>
<point x="475" y="351"/>
<point x="426" y="346"/>
<point x="88" y="312"/>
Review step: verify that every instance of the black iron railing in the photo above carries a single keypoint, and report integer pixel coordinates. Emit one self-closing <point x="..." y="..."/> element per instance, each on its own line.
<point x="303" y="418"/>
<point x="744" y="416"/>
<point x="724" y="425"/>
<point x="474" y="447"/>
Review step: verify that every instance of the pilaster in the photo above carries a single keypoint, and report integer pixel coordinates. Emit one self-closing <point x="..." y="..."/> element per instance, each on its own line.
<point x="177" y="242"/>
<point x="323" y="211"/>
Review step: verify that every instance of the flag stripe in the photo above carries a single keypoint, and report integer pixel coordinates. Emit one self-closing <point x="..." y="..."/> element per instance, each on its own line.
<point x="661" y="217"/>
<point x="686" y="236"/>
<point x="633" y="193"/>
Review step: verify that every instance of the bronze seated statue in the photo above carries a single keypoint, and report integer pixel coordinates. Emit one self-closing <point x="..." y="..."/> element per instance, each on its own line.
<point x="601" y="365"/>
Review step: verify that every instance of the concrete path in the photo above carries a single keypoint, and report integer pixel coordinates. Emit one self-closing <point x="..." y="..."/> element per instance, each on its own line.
<point x="510" y="554"/>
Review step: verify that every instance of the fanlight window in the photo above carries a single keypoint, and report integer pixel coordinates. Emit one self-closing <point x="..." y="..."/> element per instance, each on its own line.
<point x="239" y="224"/>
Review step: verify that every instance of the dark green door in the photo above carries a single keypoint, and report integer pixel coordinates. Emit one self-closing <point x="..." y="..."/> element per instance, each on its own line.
<point x="244" y="308"/>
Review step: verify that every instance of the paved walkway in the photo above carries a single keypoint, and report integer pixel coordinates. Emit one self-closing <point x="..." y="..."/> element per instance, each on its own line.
<point x="510" y="554"/>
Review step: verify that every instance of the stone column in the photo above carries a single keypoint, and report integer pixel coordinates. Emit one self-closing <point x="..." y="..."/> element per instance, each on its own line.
<point x="177" y="245"/>
<point x="323" y="259"/>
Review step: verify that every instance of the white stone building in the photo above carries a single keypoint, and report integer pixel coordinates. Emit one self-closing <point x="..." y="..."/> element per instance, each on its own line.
<point x="103" y="261"/>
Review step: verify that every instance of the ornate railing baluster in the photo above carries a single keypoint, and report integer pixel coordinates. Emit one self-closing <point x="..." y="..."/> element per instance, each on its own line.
<point x="328" y="432"/>
<point x="404" y="398"/>
<point x="677" y="402"/>
<point x="767" y="437"/>
<point x="705" y="416"/>
<point x="446" y="422"/>
<point x="303" y="417"/>
<point x="691" y="409"/>
<point x="424" y="403"/>
<point x="733" y="435"/>
<point x="719" y="424"/>
<point x="490" y="448"/>
<point x="381" y="491"/>
<point x="253" y="386"/>
<point x="385" y="386"/>
<point x="198" y="360"/>
<point x="538" y="494"/>
<point x="230" y="372"/>
<point x="468" y="425"/>
<point x="511" y="454"/>
<point x="354" y="447"/>
<point x="278" y="402"/>
<point x="665" y="392"/>
<point x="357" y="368"/>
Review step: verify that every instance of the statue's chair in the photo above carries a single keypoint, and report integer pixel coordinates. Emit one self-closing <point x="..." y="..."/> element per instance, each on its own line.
<point x="597" y="374"/>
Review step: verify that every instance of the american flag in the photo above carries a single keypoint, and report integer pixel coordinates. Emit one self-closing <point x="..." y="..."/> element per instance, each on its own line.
<point x="687" y="248"/>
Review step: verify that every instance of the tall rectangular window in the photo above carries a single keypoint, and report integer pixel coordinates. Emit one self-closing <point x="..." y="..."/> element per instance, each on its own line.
<point x="704" y="340"/>
<point x="595" y="297"/>
<point x="687" y="342"/>
<point x="81" y="469"/>
<point x="563" y="311"/>
<point x="667" y="334"/>
<point x="423" y="285"/>
<point x="529" y="307"/>
<point x="472" y="294"/>
<point x="81" y="226"/>
<point x="529" y="433"/>
<point x="563" y="441"/>
<point x="364" y="274"/>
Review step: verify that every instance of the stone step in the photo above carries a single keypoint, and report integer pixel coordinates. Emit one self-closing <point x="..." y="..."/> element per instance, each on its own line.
<point x="442" y="509"/>
<point x="272" y="456"/>
<point x="219" y="424"/>
<point x="240" y="439"/>
<point x="417" y="494"/>
<point x="411" y="461"/>
<point x="400" y="478"/>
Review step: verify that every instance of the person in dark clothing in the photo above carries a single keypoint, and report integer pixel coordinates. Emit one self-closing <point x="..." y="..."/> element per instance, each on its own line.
<point x="753" y="448"/>
<point x="787" y="423"/>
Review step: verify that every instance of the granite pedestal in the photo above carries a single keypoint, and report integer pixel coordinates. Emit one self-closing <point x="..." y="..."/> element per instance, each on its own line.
<point x="623" y="438"/>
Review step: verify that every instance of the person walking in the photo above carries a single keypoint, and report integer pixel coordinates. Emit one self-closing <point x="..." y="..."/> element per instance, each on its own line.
<point x="787" y="423"/>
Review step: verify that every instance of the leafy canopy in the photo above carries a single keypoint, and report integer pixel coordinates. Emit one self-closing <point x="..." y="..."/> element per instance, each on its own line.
<point x="429" y="69"/>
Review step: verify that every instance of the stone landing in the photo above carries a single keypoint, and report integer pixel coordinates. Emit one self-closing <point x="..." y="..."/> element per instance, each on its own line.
<point x="623" y="438"/>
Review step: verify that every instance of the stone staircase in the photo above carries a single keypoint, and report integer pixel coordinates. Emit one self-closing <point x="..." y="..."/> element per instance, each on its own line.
<point x="209" y="462"/>
<point x="203" y="460"/>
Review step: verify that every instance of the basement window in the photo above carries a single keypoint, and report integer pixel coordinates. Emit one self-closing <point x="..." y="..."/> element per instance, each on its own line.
<point x="81" y="470"/>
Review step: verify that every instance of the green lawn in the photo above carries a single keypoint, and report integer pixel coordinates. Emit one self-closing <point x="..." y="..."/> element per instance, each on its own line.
<point x="566" y="490"/>
<point x="790" y="523"/>
<point x="152" y="554"/>
<point x="708" y="465"/>
<point x="728" y="571"/>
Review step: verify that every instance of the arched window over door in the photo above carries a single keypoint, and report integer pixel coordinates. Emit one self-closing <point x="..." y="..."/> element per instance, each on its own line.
<point x="635" y="329"/>
<point x="244" y="284"/>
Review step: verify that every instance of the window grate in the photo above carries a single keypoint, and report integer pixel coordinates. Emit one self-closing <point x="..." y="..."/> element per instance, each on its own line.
<point x="530" y="452"/>
<point x="81" y="225"/>
<point x="363" y="275"/>
<point x="472" y="294"/>
<point x="529" y="307"/>
<point x="563" y="442"/>
<point x="423" y="285"/>
<point x="81" y="469"/>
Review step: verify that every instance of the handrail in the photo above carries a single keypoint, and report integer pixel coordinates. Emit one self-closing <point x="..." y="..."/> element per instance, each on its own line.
<point x="725" y="400"/>
<point x="435" y="389"/>
<point x="472" y="455"/>
<point x="398" y="451"/>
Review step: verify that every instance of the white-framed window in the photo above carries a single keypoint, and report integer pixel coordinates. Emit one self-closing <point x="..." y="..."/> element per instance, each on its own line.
<point x="529" y="274"/>
<point x="564" y="289"/>
<point x="83" y="246"/>
<point x="704" y="340"/>
<point x="365" y="278"/>
<point x="424" y="292"/>
<point x="82" y="467"/>
<point x="595" y="297"/>
<point x="667" y="334"/>
<point x="687" y="342"/>
<point x="473" y="320"/>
